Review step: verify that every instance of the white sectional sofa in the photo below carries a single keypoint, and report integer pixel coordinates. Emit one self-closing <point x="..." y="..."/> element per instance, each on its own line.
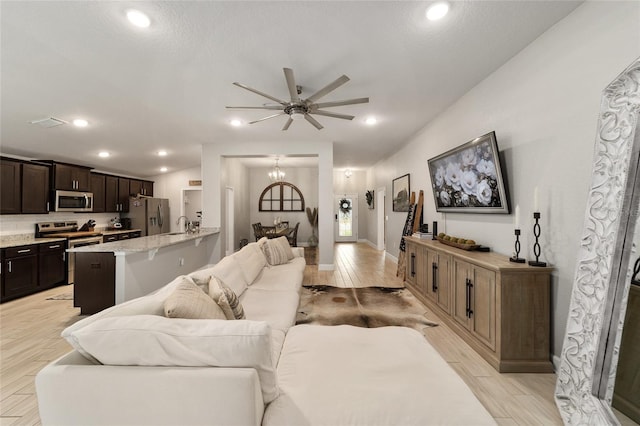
<point x="263" y="370"/>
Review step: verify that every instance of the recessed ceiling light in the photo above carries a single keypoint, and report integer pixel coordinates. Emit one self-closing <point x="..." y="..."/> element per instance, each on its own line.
<point x="236" y="123"/>
<point x="138" y="18"/>
<point x="163" y="169"/>
<point x="162" y="153"/>
<point x="79" y="122"/>
<point x="371" y="121"/>
<point x="103" y="154"/>
<point x="437" y="10"/>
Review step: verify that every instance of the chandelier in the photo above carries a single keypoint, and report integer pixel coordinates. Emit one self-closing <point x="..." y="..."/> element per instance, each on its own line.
<point x="276" y="175"/>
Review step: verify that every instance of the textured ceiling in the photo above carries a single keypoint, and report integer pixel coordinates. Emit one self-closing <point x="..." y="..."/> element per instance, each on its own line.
<point x="166" y="87"/>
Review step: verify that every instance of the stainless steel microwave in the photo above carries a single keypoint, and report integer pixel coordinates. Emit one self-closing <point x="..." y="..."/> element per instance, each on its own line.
<point x="73" y="201"/>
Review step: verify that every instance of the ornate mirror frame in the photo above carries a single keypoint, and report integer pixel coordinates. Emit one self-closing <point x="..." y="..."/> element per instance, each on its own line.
<point x="603" y="273"/>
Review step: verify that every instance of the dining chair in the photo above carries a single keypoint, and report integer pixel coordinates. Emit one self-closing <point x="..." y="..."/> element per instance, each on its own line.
<point x="257" y="230"/>
<point x="293" y="236"/>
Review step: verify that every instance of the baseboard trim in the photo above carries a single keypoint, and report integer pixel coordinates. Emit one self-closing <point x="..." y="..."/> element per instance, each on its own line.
<point x="369" y="243"/>
<point x="391" y="257"/>
<point x="326" y="267"/>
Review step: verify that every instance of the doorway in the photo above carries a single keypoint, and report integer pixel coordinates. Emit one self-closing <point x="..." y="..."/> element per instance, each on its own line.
<point x="382" y="222"/>
<point x="191" y="206"/>
<point x="230" y="223"/>
<point x="346" y="218"/>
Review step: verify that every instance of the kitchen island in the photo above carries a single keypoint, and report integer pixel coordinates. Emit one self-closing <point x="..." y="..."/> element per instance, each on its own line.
<point x="111" y="273"/>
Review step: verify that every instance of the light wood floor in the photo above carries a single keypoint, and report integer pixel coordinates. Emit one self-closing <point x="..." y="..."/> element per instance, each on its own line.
<point x="30" y="338"/>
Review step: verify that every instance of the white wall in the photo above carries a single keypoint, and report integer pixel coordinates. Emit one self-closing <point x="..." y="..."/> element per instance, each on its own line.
<point x="356" y="184"/>
<point x="214" y="182"/>
<point x="170" y="185"/>
<point x="305" y="179"/>
<point x="237" y="177"/>
<point x="543" y="105"/>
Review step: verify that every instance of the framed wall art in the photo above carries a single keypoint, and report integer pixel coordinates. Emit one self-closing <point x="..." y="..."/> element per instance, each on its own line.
<point x="401" y="191"/>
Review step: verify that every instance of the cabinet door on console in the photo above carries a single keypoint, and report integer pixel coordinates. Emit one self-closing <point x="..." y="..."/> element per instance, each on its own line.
<point x="461" y="273"/>
<point x="442" y="281"/>
<point x="483" y="304"/>
<point x="411" y="272"/>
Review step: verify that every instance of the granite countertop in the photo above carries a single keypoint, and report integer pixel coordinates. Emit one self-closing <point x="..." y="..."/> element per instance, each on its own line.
<point x="142" y="244"/>
<point x="118" y="231"/>
<point x="7" y="241"/>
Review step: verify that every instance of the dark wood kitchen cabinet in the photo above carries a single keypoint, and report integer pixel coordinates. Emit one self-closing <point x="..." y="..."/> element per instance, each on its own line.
<point x="35" y="188"/>
<point x="147" y="188"/>
<point x="11" y="187"/>
<point x="51" y="264"/>
<point x="97" y="187"/>
<point x="71" y="177"/>
<point x="142" y="187"/>
<point x="123" y="194"/>
<point x="111" y="193"/>
<point x="19" y="271"/>
<point x="95" y="277"/>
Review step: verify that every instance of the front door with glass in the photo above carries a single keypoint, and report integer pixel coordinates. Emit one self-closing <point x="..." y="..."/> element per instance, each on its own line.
<point x="346" y="218"/>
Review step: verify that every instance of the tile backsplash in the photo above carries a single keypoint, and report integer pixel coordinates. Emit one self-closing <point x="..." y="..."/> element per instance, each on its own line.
<point x="11" y="224"/>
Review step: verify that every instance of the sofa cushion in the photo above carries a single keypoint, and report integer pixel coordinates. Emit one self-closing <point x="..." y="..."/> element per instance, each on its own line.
<point x="251" y="261"/>
<point x="189" y="301"/>
<point x="228" y="270"/>
<point x="277" y="308"/>
<point x="277" y="251"/>
<point x="224" y="297"/>
<point x="395" y="377"/>
<point x="152" y="304"/>
<point x="283" y="277"/>
<point x="150" y="340"/>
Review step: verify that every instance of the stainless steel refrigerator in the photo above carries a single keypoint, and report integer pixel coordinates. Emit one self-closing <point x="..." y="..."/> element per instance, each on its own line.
<point x="151" y="215"/>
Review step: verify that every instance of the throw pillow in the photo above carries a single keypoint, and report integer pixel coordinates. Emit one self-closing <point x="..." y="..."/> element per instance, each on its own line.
<point x="152" y="340"/>
<point x="277" y="251"/>
<point x="226" y="299"/>
<point x="189" y="301"/>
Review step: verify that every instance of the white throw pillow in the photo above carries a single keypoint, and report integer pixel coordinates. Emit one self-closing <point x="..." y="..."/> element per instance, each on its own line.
<point x="277" y="251"/>
<point x="224" y="297"/>
<point x="228" y="270"/>
<point x="152" y="304"/>
<point x="152" y="340"/>
<point x="251" y="261"/>
<point x="189" y="301"/>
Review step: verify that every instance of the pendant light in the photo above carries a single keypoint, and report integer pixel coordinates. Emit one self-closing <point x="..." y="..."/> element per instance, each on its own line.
<point x="276" y="175"/>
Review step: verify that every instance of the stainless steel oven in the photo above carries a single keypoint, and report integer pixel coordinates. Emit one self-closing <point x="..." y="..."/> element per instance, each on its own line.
<point x="72" y="201"/>
<point x="79" y="242"/>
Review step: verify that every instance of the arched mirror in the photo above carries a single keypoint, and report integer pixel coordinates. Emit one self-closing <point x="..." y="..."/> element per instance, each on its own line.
<point x="602" y="310"/>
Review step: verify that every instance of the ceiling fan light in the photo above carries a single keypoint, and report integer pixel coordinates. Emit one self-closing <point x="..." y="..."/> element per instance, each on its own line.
<point x="437" y="10"/>
<point x="297" y="116"/>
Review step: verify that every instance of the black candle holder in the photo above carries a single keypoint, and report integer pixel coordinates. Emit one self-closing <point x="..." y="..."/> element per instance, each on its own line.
<point x="536" y="245"/>
<point x="516" y="258"/>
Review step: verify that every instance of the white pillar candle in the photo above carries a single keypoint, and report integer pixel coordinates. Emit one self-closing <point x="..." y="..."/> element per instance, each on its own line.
<point x="536" y="206"/>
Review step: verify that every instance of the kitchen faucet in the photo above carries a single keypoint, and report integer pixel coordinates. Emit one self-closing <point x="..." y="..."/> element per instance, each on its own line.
<point x="187" y="223"/>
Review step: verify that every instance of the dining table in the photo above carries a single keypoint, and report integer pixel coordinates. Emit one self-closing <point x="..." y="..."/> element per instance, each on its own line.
<point x="276" y="231"/>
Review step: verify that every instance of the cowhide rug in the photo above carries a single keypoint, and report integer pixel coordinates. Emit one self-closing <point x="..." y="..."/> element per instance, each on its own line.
<point x="368" y="307"/>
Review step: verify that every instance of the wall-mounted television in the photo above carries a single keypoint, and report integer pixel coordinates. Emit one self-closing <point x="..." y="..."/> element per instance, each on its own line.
<point x="468" y="179"/>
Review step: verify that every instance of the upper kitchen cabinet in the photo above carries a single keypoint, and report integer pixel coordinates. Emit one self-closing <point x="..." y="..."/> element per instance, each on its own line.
<point x="97" y="187"/>
<point x="10" y="186"/>
<point x="142" y="187"/>
<point x="123" y="194"/>
<point x="70" y="177"/>
<point x="117" y="190"/>
<point x="35" y="188"/>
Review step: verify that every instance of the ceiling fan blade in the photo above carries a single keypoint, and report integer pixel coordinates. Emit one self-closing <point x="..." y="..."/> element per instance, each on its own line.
<point x="280" y="101"/>
<point x="313" y="121"/>
<point x="256" y="107"/>
<point x="328" y="88"/>
<point x="341" y="103"/>
<point x="291" y="84"/>
<point x="333" y="114"/>
<point x="288" y="123"/>
<point x="266" y="118"/>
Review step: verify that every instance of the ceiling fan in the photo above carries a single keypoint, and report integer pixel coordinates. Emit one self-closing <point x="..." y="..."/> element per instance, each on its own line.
<point x="298" y="108"/>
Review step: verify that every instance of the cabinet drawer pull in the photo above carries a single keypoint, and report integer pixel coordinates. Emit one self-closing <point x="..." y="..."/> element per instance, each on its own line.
<point x="466" y="296"/>
<point x="413" y="264"/>
<point x="470" y="288"/>
<point x="434" y="277"/>
<point x="54" y="246"/>
<point x="9" y="265"/>
<point x="24" y="251"/>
